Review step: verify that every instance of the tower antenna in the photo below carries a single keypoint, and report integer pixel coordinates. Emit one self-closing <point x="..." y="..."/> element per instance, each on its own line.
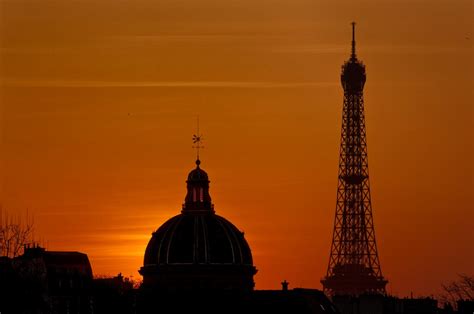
<point x="353" y="51"/>
<point x="197" y="141"/>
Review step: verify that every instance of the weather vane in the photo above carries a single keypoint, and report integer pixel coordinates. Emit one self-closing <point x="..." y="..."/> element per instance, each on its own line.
<point x="197" y="140"/>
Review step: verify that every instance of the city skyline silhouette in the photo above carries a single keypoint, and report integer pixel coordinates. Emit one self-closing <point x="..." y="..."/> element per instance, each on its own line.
<point x="99" y="103"/>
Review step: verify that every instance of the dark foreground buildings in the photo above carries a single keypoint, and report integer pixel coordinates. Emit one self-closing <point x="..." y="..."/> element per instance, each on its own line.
<point x="41" y="281"/>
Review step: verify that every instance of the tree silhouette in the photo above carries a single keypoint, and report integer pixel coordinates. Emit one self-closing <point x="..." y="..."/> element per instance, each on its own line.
<point x="15" y="233"/>
<point x="458" y="290"/>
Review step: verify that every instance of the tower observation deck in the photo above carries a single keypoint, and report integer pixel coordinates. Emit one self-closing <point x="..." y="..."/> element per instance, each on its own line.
<point x="354" y="266"/>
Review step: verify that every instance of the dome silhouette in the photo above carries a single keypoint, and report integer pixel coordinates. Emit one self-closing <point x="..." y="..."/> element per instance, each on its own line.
<point x="197" y="249"/>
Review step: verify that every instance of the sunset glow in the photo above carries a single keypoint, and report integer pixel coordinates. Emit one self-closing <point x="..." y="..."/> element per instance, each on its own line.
<point x="99" y="101"/>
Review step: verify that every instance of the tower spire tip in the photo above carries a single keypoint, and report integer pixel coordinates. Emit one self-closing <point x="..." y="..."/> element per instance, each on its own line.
<point x="353" y="52"/>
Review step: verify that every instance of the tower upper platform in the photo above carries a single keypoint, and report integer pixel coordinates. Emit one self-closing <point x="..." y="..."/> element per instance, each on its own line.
<point x="353" y="71"/>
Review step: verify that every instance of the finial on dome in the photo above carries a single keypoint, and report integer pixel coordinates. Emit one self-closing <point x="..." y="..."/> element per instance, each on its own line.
<point x="353" y="51"/>
<point x="197" y="141"/>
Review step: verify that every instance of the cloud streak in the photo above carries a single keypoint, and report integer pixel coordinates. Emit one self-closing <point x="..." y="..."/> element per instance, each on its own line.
<point x="164" y="84"/>
<point x="376" y="49"/>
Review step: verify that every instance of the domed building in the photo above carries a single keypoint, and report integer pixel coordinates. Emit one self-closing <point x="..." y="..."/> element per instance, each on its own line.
<point x="197" y="249"/>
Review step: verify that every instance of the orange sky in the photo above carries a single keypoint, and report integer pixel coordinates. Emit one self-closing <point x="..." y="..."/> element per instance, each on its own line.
<point x="98" y="106"/>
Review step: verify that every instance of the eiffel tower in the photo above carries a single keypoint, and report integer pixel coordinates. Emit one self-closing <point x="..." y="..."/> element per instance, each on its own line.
<point x="354" y="266"/>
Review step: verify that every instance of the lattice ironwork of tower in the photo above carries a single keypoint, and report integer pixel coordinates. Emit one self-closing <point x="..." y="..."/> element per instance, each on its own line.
<point x="354" y="266"/>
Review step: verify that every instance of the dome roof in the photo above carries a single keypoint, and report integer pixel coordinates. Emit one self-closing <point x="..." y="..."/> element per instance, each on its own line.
<point x="198" y="239"/>
<point x="198" y="249"/>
